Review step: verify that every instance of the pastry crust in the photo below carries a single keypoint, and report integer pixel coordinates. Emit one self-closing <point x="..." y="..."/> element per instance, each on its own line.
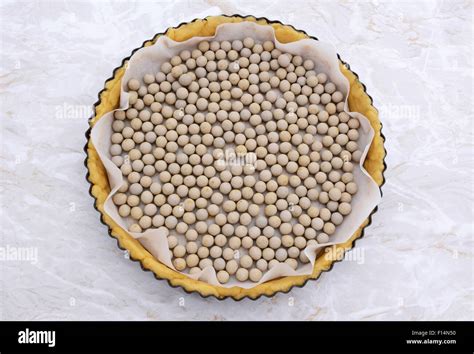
<point x="359" y="101"/>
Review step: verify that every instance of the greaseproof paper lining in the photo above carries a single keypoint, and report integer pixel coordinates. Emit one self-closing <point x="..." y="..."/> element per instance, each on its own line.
<point x="149" y="59"/>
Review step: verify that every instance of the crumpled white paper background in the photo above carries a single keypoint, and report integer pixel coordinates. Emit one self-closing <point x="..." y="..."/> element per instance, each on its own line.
<point x="417" y="65"/>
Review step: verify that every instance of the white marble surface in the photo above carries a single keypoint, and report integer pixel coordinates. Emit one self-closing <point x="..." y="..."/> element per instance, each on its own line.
<point x="416" y="259"/>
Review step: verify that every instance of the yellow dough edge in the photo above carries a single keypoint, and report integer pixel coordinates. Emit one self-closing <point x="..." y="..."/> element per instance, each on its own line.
<point x="109" y="99"/>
